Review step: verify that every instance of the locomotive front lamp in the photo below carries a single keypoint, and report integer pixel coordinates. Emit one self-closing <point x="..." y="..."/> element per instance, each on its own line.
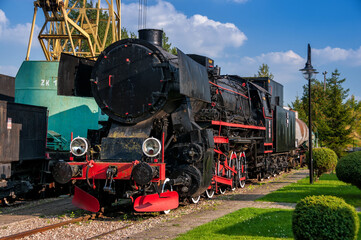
<point x="308" y="72"/>
<point x="79" y="146"/>
<point x="151" y="147"/>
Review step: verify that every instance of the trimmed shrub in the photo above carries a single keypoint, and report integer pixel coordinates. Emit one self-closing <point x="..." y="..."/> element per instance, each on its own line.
<point x="348" y="169"/>
<point x="324" y="217"/>
<point x="324" y="160"/>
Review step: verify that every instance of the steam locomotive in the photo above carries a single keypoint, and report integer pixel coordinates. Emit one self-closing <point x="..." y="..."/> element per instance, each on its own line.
<point x="177" y="128"/>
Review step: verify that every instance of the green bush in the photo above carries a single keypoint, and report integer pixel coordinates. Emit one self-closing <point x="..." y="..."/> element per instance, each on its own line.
<point x="348" y="169"/>
<point x="324" y="160"/>
<point x="324" y="217"/>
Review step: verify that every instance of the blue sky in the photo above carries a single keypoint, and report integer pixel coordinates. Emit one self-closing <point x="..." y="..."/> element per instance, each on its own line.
<point x="239" y="35"/>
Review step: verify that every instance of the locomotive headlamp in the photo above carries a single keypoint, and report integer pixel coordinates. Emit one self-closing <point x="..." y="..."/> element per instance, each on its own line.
<point x="79" y="146"/>
<point x="151" y="147"/>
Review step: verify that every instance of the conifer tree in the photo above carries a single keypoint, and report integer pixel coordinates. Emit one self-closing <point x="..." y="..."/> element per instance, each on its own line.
<point x="334" y="117"/>
<point x="167" y="45"/>
<point x="263" y="71"/>
<point x="340" y="122"/>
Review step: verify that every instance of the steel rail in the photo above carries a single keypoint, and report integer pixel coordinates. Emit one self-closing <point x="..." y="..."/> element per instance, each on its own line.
<point x="46" y="228"/>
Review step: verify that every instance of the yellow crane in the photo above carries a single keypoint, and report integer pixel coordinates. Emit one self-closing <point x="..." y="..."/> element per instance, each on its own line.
<point x="77" y="27"/>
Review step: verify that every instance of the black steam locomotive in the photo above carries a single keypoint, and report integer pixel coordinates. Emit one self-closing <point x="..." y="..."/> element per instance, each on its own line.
<point x="176" y="128"/>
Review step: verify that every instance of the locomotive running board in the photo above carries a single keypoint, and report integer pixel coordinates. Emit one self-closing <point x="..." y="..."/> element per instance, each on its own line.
<point x="85" y="201"/>
<point x="153" y="203"/>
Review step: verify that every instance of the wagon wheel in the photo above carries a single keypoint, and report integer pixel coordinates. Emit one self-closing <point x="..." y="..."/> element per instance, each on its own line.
<point x="165" y="187"/>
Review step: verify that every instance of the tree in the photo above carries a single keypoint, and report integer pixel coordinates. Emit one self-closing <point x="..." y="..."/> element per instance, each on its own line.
<point x="340" y="122"/>
<point x="333" y="116"/>
<point x="263" y="71"/>
<point x="126" y="34"/>
<point x="299" y="104"/>
<point x="168" y="46"/>
<point x="355" y="109"/>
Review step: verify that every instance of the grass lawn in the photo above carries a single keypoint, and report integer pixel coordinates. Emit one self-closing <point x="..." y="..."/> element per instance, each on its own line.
<point x="328" y="184"/>
<point x="248" y="223"/>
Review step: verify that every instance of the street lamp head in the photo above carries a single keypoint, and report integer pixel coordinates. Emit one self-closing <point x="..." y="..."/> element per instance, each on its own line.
<point x="308" y="71"/>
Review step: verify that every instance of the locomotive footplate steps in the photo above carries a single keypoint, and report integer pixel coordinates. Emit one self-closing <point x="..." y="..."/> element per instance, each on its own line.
<point x="85" y="201"/>
<point x="157" y="202"/>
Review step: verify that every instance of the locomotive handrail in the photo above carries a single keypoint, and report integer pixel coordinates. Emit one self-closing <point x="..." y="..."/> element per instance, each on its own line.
<point x="237" y="125"/>
<point x="229" y="90"/>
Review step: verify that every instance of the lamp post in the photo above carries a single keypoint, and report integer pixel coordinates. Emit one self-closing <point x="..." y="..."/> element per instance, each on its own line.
<point x="308" y="71"/>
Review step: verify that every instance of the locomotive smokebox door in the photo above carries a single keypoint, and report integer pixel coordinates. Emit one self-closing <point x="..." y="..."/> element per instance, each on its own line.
<point x="193" y="78"/>
<point x="130" y="83"/>
<point x="74" y="76"/>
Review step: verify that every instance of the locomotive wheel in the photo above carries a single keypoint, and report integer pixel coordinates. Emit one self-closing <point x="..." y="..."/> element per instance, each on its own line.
<point x="242" y="183"/>
<point x="166" y="186"/>
<point x="222" y="190"/>
<point x="209" y="193"/>
<point x="195" y="200"/>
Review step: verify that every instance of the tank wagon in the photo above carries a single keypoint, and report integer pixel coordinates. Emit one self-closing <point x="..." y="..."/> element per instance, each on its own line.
<point x="177" y="128"/>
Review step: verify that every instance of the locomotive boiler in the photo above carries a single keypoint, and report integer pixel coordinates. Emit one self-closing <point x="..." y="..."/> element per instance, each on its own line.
<point x="177" y="128"/>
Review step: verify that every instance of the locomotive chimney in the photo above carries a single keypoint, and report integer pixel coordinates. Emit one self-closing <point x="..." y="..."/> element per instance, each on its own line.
<point x="154" y="36"/>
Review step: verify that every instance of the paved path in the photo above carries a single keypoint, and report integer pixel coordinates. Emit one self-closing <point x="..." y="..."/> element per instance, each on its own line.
<point x="171" y="229"/>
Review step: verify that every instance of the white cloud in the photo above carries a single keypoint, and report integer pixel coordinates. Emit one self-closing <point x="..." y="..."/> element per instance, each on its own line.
<point x="283" y="65"/>
<point x="2" y="17"/>
<point x="346" y="56"/>
<point x="3" y="21"/>
<point x="196" y="34"/>
<point x="9" y="70"/>
<point x="281" y="58"/>
<point x="16" y="34"/>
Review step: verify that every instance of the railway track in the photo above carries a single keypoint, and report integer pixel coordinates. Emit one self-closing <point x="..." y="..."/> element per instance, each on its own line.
<point x="117" y="229"/>
<point x="49" y="227"/>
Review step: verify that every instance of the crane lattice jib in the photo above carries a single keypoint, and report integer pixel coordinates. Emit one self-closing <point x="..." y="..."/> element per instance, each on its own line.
<point x="79" y="27"/>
